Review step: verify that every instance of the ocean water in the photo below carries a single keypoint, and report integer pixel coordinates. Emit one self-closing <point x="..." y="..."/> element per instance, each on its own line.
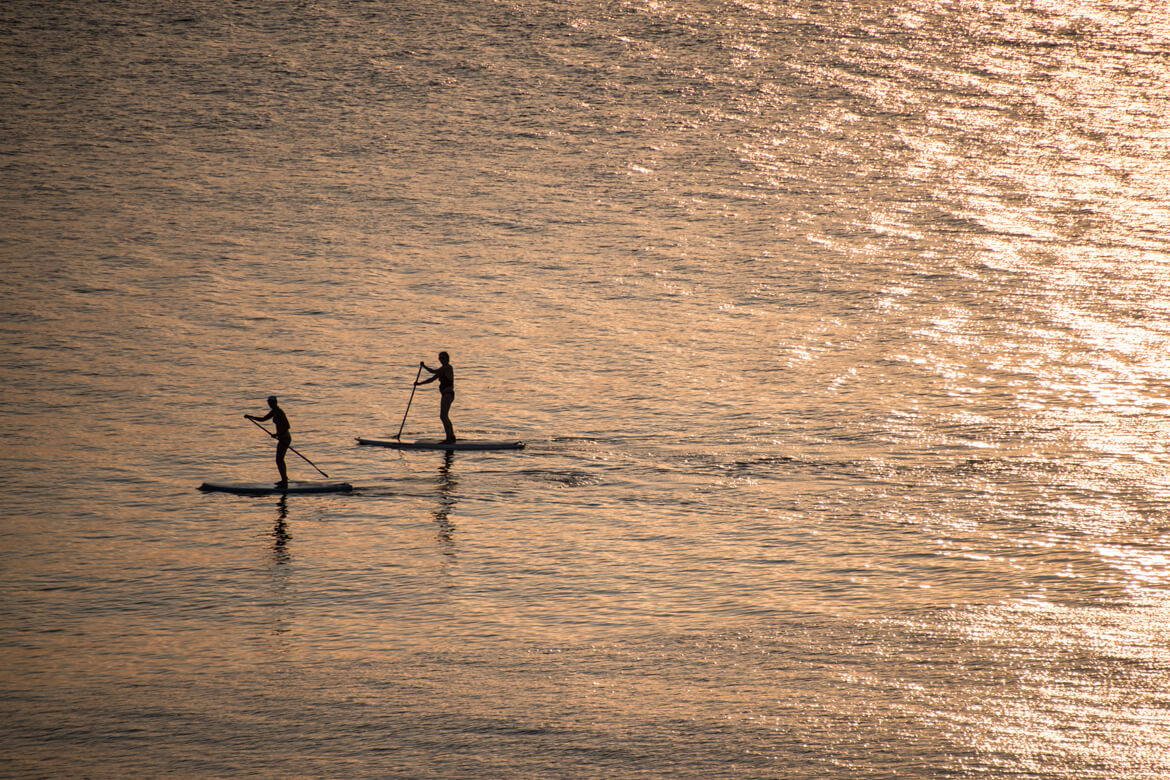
<point x="837" y="333"/>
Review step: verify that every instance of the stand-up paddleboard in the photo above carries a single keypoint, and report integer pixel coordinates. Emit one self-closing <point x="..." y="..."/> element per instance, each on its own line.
<point x="439" y="444"/>
<point x="270" y="488"/>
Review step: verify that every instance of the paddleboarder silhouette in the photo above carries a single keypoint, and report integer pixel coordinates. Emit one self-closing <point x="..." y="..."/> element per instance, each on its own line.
<point x="283" y="436"/>
<point x="446" y="376"/>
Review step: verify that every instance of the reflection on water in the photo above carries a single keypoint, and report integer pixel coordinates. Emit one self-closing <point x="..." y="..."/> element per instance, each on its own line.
<point x="278" y="602"/>
<point x="447" y="501"/>
<point x="280" y="534"/>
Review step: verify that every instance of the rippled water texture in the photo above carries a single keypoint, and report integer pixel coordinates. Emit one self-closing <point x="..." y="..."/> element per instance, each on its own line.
<point x="836" y="331"/>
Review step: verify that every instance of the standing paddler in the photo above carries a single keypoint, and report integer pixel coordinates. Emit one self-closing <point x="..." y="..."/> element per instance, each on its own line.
<point x="446" y="376"/>
<point x="283" y="436"/>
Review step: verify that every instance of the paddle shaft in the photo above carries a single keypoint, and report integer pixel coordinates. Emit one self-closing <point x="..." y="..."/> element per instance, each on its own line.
<point x="294" y="449"/>
<point x="412" y="389"/>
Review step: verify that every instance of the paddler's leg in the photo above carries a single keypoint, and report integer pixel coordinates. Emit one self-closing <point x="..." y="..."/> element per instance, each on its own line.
<point x="445" y="415"/>
<point x="281" y="449"/>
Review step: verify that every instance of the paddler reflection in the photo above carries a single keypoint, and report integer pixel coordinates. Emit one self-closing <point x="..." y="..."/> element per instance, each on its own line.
<point x="447" y="501"/>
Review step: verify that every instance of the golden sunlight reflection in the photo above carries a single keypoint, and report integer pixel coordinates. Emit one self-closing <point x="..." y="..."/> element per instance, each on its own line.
<point x="839" y="333"/>
<point x="1064" y="703"/>
<point x="1142" y="568"/>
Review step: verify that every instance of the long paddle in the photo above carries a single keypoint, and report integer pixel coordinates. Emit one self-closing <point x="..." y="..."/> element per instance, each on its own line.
<point x="412" y="389"/>
<point x="294" y="449"/>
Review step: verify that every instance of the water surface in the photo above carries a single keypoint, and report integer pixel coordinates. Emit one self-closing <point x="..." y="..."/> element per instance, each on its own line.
<point x="836" y="332"/>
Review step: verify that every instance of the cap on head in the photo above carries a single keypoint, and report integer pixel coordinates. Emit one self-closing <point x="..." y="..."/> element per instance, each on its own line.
<point x="271" y="400"/>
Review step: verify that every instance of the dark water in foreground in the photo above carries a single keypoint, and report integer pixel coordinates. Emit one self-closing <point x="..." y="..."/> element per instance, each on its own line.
<point x="836" y="331"/>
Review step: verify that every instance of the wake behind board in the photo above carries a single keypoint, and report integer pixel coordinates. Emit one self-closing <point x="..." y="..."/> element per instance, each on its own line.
<point x="270" y="489"/>
<point x="439" y="444"/>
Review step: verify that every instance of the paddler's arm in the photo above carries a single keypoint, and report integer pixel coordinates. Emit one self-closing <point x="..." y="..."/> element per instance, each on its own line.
<point x="268" y="416"/>
<point x="434" y="375"/>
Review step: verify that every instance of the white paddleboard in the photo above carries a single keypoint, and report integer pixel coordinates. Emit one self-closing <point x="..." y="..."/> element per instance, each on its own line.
<point x="439" y="444"/>
<point x="270" y="488"/>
